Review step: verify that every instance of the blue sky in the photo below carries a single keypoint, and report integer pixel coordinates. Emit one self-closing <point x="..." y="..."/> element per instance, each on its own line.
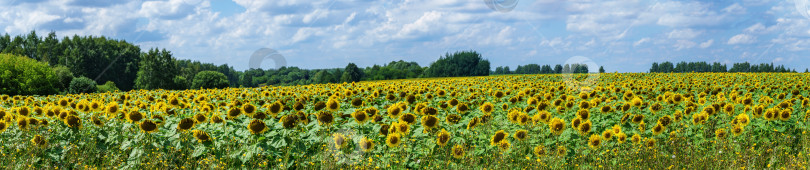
<point x="621" y="35"/>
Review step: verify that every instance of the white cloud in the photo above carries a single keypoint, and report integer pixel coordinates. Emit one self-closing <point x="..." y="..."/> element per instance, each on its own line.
<point x="707" y="44"/>
<point x="641" y="41"/>
<point x="684" y="44"/>
<point x="741" y="39"/>
<point x="684" y="34"/>
<point x="756" y="28"/>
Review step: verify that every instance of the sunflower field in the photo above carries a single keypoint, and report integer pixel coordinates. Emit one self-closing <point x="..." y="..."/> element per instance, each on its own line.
<point x="622" y="120"/>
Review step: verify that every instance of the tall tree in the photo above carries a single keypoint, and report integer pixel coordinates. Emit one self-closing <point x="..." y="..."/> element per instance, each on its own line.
<point x="157" y="70"/>
<point x="352" y="73"/>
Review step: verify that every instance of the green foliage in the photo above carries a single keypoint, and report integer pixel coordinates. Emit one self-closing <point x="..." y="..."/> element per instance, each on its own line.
<point x="82" y="85"/>
<point x="63" y="77"/>
<point x="393" y="70"/>
<point x="25" y="76"/>
<point x="464" y="63"/>
<point x="109" y="86"/>
<point x="157" y="71"/>
<point x="97" y="57"/>
<point x="209" y="79"/>
<point x="700" y="67"/>
<point x="352" y="73"/>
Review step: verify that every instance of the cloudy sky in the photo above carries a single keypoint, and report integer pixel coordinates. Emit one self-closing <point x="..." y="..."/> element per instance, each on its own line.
<point x="621" y="35"/>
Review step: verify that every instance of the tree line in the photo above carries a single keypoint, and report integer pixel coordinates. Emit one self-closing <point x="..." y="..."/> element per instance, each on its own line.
<point x="546" y="69"/>
<point x="74" y="65"/>
<point x="685" y="67"/>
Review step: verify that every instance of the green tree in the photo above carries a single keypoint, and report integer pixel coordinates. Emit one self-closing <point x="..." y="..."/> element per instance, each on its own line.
<point x="209" y="79"/>
<point x="601" y="69"/>
<point x="63" y="77"/>
<point x="352" y="73"/>
<point x="24" y="76"/>
<point x="464" y="63"/>
<point x="109" y="86"/>
<point x="82" y="85"/>
<point x="157" y="70"/>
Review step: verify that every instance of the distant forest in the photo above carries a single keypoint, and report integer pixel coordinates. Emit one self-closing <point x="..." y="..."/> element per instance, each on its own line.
<point x="120" y="65"/>
<point x="700" y="67"/>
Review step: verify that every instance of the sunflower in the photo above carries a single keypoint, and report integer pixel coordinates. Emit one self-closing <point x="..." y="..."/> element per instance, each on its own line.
<point x="443" y="138"/>
<point x="112" y="108"/>
<point x="257" y="126"/>
<point x="289" y="121"/>
<point x="638" y="118"/>
<point x="384" y="129"/>
<point x="148" y="126"/>
<point x="366" y="145"/>
<point x="360" y="116"/>
<point x="462" y="108"/>
<point x="22" y="124"/>
<point x="403" y="128"/>
<point x="720" y="133"/>
<point x="39" y="141"/>
<point x="332" y="104"/>
<point x="656" y="107"/>
<point x="453" y="102"/>
<point x="73" y="121"/>
<point x="319" y="105"/>
<point x="606" y="109"/>
<point x="539" y="151"/>
<point x="429" y="111"/>
<point x="561" y="150"/>
<point x="473" y="123"/>
<point x="737" y="130"/>
<point x="556" y="126"/>
<point x="649" y="142"/>
<point x="453" y="118"/>
<point x="498" y="137"/>
<point x="3" y="126"/>
<point x="621" y="137"/>
<point x="96" y="121"/>
<point x="371" y="111"/>
<point x="487" y="108"/>
<point x="217" y="119"/>
<point x="607" y="135"/>
<point x="357" y="102"/>
<point x="616" y="129"/>
<point x="339" y="140"/>
<point x="24" y="111"/>
<point x="325" y="118"/>
<point x="594" y="141"/>
<point x="134" y="116"/>
<point x="409" y="118"/>
<point x="585" y="127"/>
<point x="200" y="118"/>
<point x="185" y="124"/>
<point x="201" y="136"/>
<point x="576" y="122"/>
<point x="521" y="134"/>
<point x="636" y="139"/>
<point x="658" y="128"/>
<point x="393" y="140"/>
<point x="665" y="120"/>
<point x="785" y="114"/>
<point x="542" y="116"/>
<point x="743" y="119"/>
<point x="458" y="151"/>
<point x="249" y="109"/>
<point x="429" y="121"/>
<point x="504" y="145"/>
<point x="394" y="111"/>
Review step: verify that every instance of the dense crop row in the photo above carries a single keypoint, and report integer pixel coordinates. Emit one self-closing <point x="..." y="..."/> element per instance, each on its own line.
<point x="622" y="120"/>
